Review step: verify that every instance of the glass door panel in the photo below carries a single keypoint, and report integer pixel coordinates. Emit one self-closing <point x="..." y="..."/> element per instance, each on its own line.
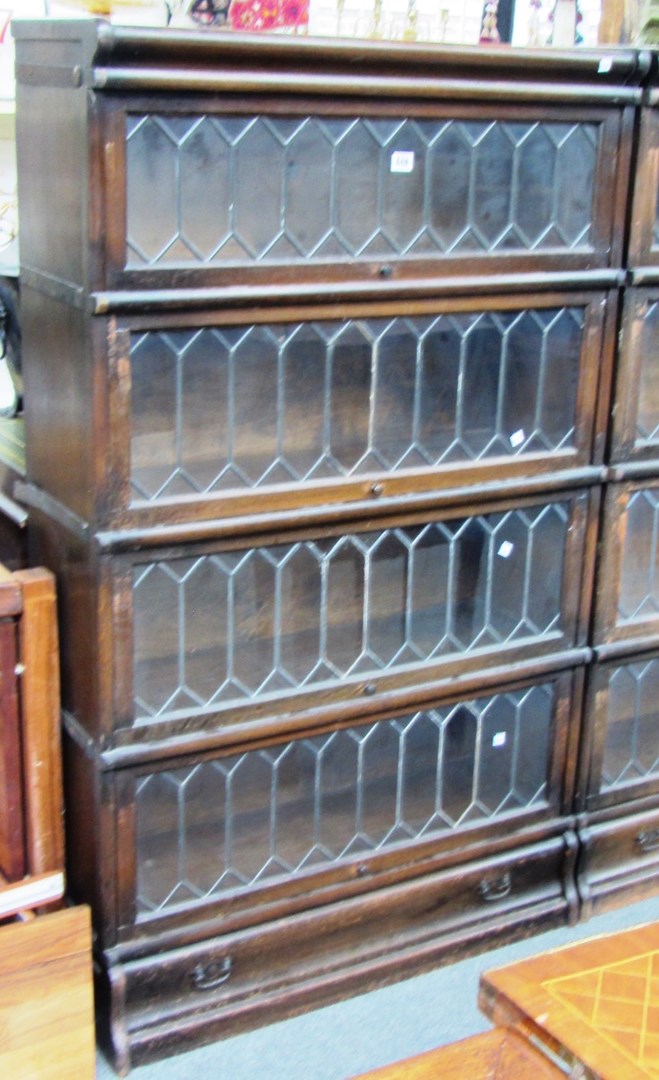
<point x="631" y="738"/>
<point x="236" y="625"/>
<point x="207" y="190"/>
<point x="246" y="407"/>
<point x="270" y="814"/>
<point x="639" y="581"/>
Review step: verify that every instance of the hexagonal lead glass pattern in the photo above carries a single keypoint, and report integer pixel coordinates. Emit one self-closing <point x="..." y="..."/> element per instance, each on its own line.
<point x="266" y="814"/>
<point x="631" y="750"/>
<point x="205" y="190"/>
<point x="639" y="576"/>
<point x="227" y="627"/>
<point x="244" y="407"/>
<point x="647" y="421"/>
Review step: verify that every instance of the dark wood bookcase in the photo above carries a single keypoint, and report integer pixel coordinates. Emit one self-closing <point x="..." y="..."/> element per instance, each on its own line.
<point x="619" y="823"/>
<point x="320" y="342"/>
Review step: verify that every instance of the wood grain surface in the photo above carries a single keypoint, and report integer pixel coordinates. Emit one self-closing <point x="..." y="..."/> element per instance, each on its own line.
<point x="46" y="998"/>
<point x="596" y="1003"/>
<point x="500" y="1054"/>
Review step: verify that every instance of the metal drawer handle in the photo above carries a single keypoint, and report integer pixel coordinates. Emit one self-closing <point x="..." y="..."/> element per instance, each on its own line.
<point x="648" y="840"/>
<point x="495" y="889"/>
<point x="210" y="976"/>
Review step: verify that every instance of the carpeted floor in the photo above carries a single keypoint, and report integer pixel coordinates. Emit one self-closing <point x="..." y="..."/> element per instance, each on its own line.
<point x="385" y="1025"/>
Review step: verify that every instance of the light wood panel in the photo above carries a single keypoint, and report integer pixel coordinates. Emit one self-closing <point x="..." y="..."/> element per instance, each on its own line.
<point x="501" y="1054"/>
<point x="40" y="697"/>
<point x="46" y="999"/>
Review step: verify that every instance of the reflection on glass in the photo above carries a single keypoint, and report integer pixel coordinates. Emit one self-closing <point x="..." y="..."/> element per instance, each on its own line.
<point x="252" y="406"/>
<point x="204" y="190"/>
<point x="267" y="814"/>
<point x="639" y="578"/>
<point x="647" y="423"/>
<point x="236" y="625"/>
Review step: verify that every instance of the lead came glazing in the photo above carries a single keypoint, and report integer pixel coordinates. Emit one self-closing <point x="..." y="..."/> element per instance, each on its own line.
<point x="247" y="406"/>
<point x="267" y="814"/>
<point x="241" y="624"/>
<point x="205" y="190"/>
<point x="631" y="750"/>
<point x="639" y="576"/>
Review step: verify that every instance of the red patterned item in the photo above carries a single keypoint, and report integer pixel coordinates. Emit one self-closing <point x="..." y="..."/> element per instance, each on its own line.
<point x="5" y="19"/>
<point x="268" y="14"/>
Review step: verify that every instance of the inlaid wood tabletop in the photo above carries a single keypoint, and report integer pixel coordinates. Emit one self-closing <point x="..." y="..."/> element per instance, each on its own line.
<point x="595" y="1003"/>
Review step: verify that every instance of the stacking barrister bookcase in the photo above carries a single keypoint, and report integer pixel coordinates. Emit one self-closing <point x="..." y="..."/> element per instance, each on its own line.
<point x="319" y="342"/>
<point x="619" y="828"/>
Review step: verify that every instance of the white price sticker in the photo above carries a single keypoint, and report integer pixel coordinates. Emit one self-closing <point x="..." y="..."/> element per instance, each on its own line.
<point x="517" y="437"/>
<point x="499" y="739"/>
<point x="402" y="161"/>
<point x="506" y="549"/>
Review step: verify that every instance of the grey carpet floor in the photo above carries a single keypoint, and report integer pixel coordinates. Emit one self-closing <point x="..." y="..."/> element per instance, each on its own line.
<point x="386" y="1025"/>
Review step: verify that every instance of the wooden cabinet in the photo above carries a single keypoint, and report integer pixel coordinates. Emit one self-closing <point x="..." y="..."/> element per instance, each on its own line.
<point x="319" y="347"/>
<point x="213" y="414"/>
<point x="620" y="759"/>
<point x="636" y="418"/>
<point x="31" y="811"/>
<point x="644" y="236"/>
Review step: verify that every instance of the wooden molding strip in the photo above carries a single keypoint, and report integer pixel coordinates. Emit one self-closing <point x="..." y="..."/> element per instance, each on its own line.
<point x="31" y="893"/>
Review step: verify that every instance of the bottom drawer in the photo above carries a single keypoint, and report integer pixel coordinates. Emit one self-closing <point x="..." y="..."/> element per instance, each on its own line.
<point x="618" y="861"/>
<point x="168" y="1001"/>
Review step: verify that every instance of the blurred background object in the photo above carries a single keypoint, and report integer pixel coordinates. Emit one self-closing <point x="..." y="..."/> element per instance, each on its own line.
<point x="519" y="22"/>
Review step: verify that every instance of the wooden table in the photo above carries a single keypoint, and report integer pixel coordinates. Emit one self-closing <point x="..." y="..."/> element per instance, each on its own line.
<point x="46" y="998"/>
<point x="500" y="1054"/>
<point x="596" y="1004"/>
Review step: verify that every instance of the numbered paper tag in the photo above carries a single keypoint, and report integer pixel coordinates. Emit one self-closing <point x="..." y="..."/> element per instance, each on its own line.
<point x="402" y="161"/>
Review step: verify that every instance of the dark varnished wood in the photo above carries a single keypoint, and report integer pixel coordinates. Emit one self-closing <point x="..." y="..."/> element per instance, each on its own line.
<point x="619" y="858"/>
<point x="182" y="969"/>
<point x="104" y="703"/>
<point x="621" y="731"/>
<point x="625" y="619"/>
<point x="249" y="76"/>
<point x="442" y="845"/>
<point x="333" y="944"/>
<point x="95" y="440"/>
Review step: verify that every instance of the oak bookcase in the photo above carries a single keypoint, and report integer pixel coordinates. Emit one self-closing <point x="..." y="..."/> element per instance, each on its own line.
<point x="319" y="345"/>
